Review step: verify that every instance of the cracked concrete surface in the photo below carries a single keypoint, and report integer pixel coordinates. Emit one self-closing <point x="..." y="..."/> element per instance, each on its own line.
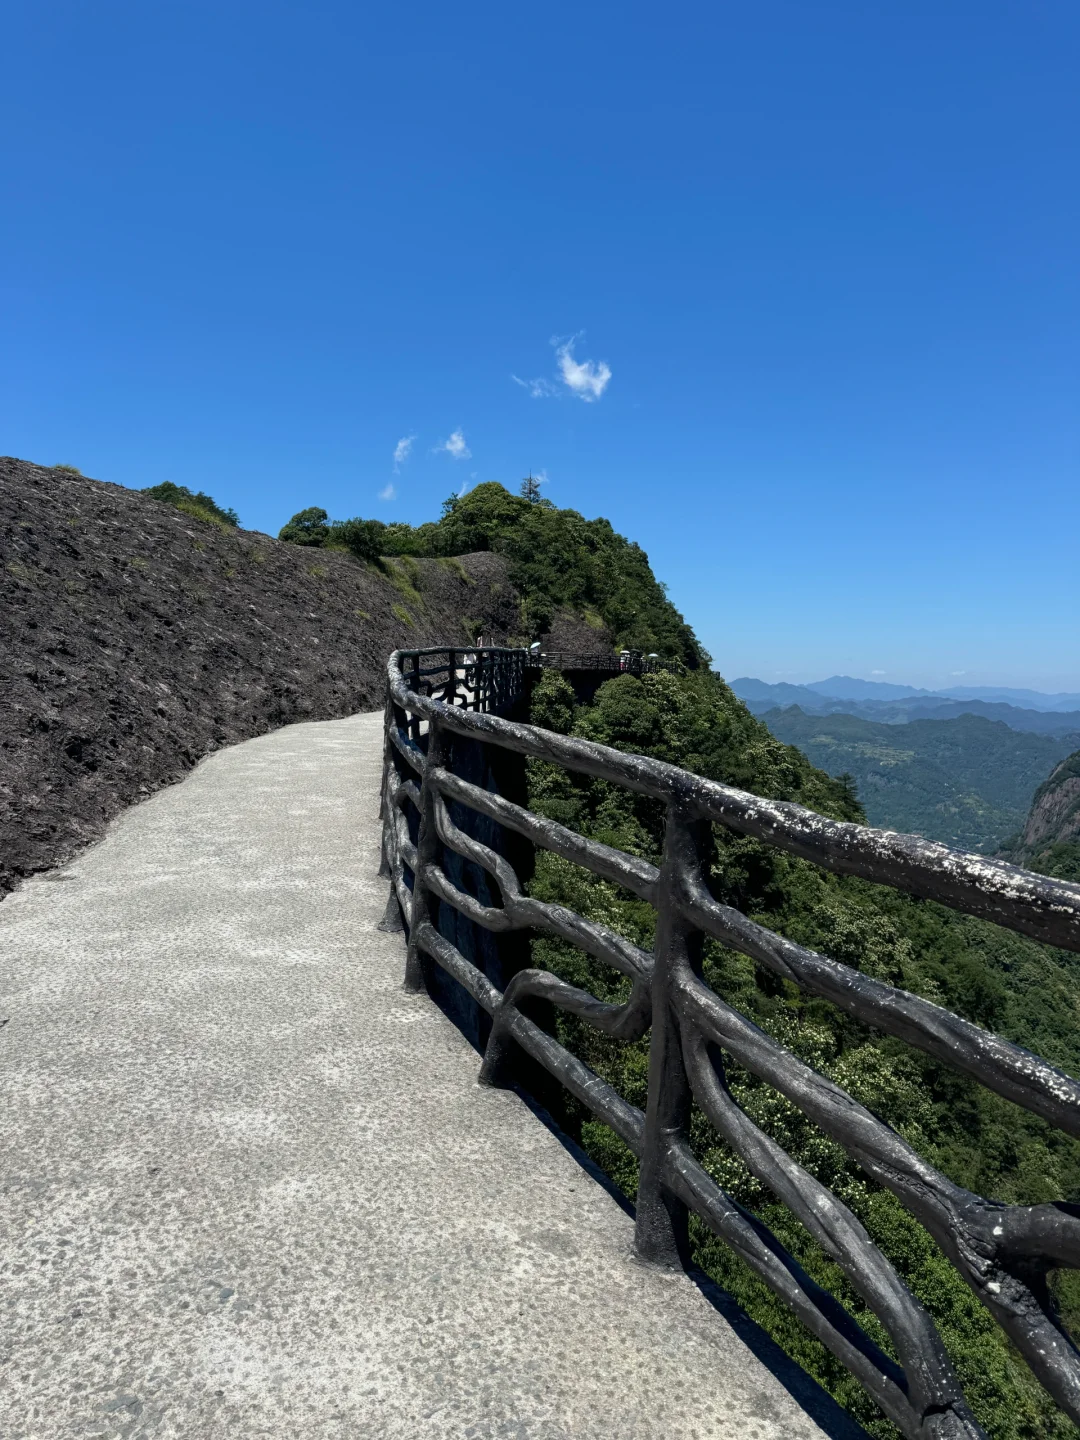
<point x="252" y="1188"/>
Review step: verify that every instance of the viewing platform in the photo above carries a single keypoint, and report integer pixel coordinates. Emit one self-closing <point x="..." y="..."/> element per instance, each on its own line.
<point x="251" y="1187"/>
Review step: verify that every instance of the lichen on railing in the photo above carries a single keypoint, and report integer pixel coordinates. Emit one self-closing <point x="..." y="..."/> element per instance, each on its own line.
<point x="1004" y="1252"/>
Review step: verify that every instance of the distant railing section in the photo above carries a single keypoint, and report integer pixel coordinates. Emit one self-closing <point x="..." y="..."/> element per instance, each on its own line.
<point x="486" y="678"/>
<point x="1004" y="1252"/>
<point x="626" y="661"/>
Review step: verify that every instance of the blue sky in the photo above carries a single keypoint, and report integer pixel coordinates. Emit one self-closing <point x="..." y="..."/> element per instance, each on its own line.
<point x="828" y="254"/>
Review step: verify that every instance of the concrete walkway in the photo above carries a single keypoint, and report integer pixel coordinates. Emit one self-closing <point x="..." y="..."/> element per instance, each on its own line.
<point x="251" y="1188"/>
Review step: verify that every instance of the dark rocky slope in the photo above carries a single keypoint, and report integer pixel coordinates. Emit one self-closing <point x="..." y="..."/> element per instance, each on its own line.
<point x="134" y="640"/>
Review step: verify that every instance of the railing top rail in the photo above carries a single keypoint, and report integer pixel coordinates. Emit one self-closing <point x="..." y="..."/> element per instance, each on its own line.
<point x="462" y="649"/>
<point x="1047" y="910"/>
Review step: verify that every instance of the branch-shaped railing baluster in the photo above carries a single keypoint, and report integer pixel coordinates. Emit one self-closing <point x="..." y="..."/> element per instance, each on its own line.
<point x="963" y="1224"/>
<point x="661" y="1224"/>
<point x="424" y="910"/>
<point x="931" y="1388"/>
<point x="1003" y="1251"/>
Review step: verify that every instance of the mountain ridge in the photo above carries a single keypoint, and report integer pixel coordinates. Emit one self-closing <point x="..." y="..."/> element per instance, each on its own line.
<point x="760" y="696"/>
<point x="848" y="687"/>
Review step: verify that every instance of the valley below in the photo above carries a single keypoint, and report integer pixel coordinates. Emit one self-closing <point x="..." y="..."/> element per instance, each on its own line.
<point x="966" y="781"/>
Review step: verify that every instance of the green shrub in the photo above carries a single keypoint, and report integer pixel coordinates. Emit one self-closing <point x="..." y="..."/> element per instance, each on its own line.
<point x="196" y="504"/>
<point x="361" y="538"/>
<point x="68" y="469"/>
<point x="307" y="527"/>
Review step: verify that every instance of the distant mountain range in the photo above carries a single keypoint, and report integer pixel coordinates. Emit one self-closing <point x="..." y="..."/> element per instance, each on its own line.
<point x="886" y="704"/>
<point x="847" y="687"/>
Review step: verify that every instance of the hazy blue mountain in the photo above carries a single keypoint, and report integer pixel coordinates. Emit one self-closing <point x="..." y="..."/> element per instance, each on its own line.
<point x="846" y="687"/>
<point x="1038" y="722"/>
<point x="782" y="694"/>
<point x="967" y="781"/>
<point x="759" y="696"/>
<point x="1027" y="699"/>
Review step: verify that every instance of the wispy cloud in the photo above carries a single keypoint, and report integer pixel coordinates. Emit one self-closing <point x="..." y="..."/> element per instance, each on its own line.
<point x="454" y="446"/>
<point x="877" y="672"/>
<point x="538" y="389"/>
<point x="401" y="451"/>
<point x="587" y="379"/>
<point x="388" y="492"/>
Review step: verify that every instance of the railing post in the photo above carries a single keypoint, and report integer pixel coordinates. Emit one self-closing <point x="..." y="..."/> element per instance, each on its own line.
<point x="425" y="906"/>
<point x="450" y="692"/>
<point x="412" y="722"/>
<point x="388" y="720"/>
<point x="660" y="1234"/>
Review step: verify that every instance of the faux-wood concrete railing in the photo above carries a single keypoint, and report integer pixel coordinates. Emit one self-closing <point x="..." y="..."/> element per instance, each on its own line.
<point x="1004" y="1252"/>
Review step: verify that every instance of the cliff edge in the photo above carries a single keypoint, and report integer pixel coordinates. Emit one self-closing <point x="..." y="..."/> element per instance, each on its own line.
<point x="1050" y="839"/>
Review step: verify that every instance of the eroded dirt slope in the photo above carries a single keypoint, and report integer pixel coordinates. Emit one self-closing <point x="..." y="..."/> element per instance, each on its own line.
<point x="135" y="640"/>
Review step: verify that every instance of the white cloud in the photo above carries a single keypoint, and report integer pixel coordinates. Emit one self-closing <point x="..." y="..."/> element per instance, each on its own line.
<point x="388" y="492"/>
<point x="587" y="379"/>
<point x="454" y="445"/>
<point x="877" y="672"/>
<point x="401" y="451"/>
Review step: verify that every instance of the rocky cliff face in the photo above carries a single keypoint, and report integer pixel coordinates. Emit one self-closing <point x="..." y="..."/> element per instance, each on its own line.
<point x="135" y="640"/>
<point x="1050" y="840"/>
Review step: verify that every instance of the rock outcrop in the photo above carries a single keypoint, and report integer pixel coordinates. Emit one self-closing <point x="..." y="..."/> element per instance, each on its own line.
<point x="1050" y="840"/>
<point x="134" y="640"/>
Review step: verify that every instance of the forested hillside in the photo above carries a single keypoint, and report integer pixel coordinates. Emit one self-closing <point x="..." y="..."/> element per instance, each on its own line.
<point x="557" y="561"/>
<point x="1022" y="989"/>
<point x="967" y="782"/>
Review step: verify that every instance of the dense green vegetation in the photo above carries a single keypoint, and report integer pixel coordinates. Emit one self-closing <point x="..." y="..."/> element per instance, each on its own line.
<point x="967" y="781"/>
<point x="1015" y="986"/>
<point x="1060" y="860"/>
<point x="557" y="558"/>
<point x="196" y="504"/>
